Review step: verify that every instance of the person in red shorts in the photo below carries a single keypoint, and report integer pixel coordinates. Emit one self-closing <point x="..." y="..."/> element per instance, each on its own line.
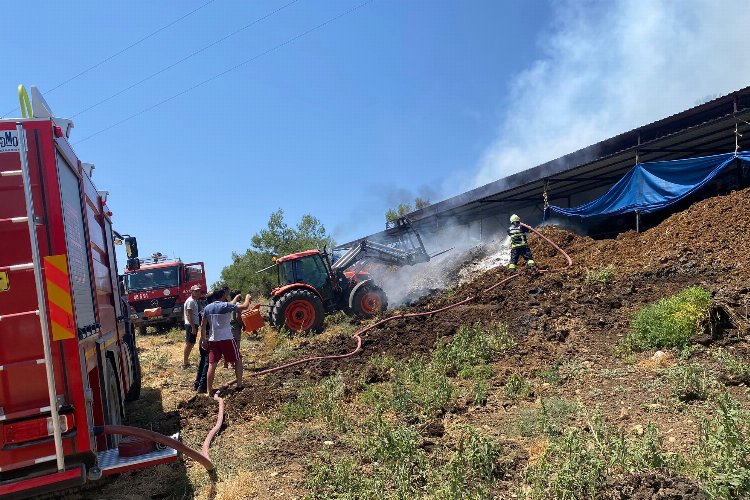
<point x="220" y="342"/>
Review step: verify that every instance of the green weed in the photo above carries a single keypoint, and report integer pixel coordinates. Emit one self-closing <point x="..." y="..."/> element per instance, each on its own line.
<point x="551" y="418"/>
<point x="736" y="370"/>
<point x="322" y="401"/>
<point x="420" y="390"/>
<point x="155" y="361"/>
<point x="576" y="464"/>
<point x="551" y="375"/>
<point x="669" y="322"/>
<point x="471" y="348"/>
<point x="721" y="458"/>
<point x="472" y="469"/>
<point x="480" y="392"/>
<point x="394" y="450"/>
<point x="691" y="382"/>
<point x="600" y="276"/>
<point x="342" y="479"/>
<point x="517" y="387"/>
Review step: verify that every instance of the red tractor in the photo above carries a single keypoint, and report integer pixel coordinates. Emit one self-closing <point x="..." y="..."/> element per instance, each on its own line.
<point x="311" y="286"/>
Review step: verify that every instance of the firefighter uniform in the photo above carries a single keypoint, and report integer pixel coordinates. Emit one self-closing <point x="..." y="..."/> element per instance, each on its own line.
<point x="519" y="246"/>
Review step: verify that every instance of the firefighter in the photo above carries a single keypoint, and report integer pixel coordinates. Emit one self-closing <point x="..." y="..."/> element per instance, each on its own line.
<point x="519" y="245"/>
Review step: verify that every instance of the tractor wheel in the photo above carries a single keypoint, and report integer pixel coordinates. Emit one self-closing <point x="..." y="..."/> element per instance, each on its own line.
<point x="369" y="301"/>
<point x="299" y="310"/>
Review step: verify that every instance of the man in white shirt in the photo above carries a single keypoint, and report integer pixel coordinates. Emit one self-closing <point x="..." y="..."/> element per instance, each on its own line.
<point x="190" y="316"/>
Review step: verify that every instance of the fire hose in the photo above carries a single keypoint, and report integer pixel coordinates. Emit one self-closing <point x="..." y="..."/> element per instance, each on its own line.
<point x="202" y="457"/>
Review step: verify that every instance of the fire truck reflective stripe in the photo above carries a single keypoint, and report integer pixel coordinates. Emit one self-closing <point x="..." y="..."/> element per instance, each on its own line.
<point x="17" y="267"/>
<point x="60" y="333"/>
<point x="56" y="274"/>
<point x="58" y="297"/>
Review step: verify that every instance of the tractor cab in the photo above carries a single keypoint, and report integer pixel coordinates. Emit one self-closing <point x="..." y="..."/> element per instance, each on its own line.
<point x="306" y="267"/>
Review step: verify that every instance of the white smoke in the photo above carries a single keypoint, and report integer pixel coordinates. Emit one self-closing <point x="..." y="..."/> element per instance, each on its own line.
<point x="609" y="67"/>
<point x="465" y="259"/>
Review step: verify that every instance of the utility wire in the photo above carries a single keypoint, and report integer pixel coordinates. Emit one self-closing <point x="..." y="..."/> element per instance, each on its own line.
<point x="258" y="56"/>
<point x="109" y="58"/>
<point x="149" y="77"/>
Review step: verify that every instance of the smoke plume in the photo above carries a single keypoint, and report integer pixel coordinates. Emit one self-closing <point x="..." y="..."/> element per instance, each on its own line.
<point x="609" y="67"/>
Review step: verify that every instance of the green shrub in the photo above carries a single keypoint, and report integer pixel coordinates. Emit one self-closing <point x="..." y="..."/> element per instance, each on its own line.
<point x="669" y="322"/>
<point x="721" y="458"/>
<point x="517" y="387"/>
<point x="471" y="348"/>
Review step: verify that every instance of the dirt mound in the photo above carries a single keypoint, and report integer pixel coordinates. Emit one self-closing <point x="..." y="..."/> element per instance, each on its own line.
<point x="553" y="316"/>
<point x="708" y="234"/>
<point x="649" y="487"/>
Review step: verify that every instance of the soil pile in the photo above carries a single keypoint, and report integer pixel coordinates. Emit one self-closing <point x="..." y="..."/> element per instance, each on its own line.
<point x="562" y="314"/>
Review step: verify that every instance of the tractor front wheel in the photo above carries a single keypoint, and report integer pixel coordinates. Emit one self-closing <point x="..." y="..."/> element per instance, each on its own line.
<point x="369" y="301"/>
<point x="299" y="310"/>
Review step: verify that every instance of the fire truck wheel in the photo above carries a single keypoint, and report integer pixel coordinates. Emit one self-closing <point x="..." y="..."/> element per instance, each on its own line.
<point x="113" y="401"/>
<point x="299" y="310"/>
<point x="369" y="301"/>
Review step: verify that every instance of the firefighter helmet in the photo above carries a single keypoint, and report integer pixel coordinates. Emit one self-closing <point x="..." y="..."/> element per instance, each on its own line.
<point x="515" y="218"/>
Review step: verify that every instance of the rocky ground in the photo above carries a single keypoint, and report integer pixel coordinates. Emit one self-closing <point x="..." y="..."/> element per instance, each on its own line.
<point x="564" y="326"/>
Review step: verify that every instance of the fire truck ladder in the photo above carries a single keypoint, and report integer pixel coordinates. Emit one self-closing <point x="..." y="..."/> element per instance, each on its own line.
<point x="37" y="267"/>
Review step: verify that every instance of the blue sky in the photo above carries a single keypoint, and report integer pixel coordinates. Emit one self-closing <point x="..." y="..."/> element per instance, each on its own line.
<point x="394" y="100"/>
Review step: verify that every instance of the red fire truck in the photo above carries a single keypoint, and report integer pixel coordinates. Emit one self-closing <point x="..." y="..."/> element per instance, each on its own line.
<point x="67" y="349"/>
<point x="158" y="289"/>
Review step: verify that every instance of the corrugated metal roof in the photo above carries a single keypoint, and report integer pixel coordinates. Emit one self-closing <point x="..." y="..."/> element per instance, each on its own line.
<point x="705" y="129"/>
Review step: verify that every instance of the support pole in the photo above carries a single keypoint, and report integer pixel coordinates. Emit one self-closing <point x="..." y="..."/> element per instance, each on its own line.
<point x="637" y="221"/>
<point x="22" y="146"/>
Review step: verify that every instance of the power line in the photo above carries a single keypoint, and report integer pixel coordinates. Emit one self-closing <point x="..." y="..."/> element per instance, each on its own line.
<point x="258" y="56"/>
<point x="109" y="58"/>
<point x="149" y="77"/>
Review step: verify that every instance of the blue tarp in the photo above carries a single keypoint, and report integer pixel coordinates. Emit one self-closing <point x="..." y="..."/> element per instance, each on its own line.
<point x="649" y="187"/>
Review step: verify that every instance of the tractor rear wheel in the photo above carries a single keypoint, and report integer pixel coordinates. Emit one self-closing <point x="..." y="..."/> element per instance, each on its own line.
<point x="299" y="310"/>
<point x="369" y="301"/>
